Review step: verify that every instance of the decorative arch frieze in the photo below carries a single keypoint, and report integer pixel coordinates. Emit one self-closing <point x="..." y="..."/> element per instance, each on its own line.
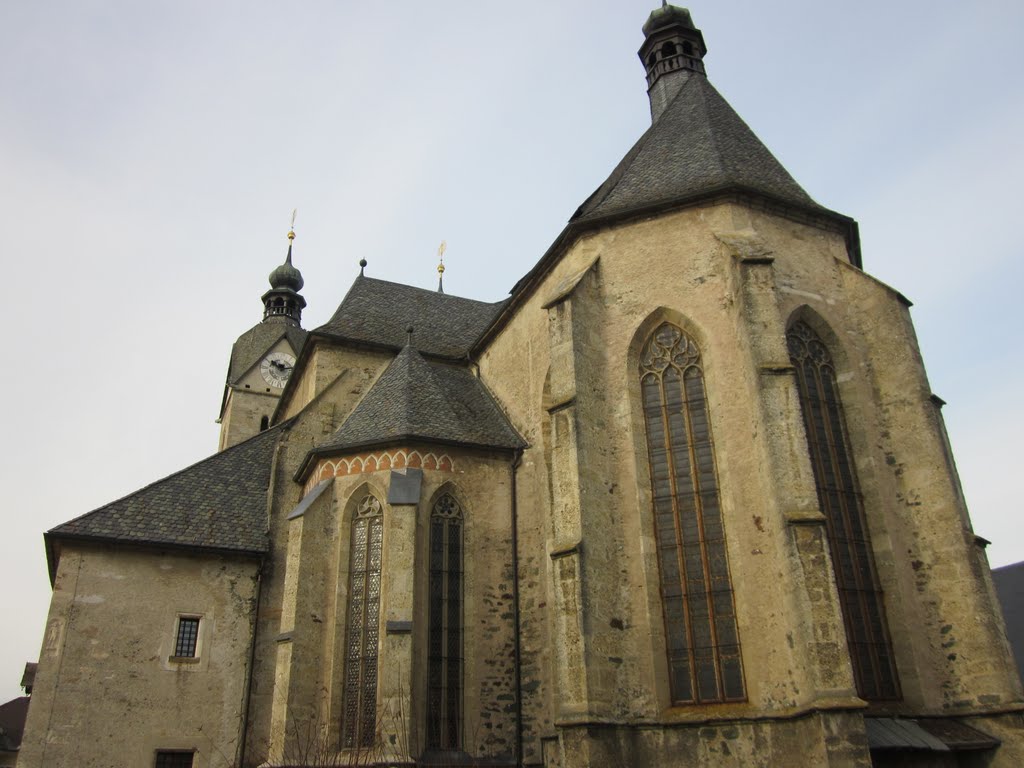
<point x="374" y="461"/>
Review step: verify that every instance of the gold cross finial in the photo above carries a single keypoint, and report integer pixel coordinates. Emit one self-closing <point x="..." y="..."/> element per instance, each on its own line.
<point x="440" y="267"/>
<point x="291" y="229"/>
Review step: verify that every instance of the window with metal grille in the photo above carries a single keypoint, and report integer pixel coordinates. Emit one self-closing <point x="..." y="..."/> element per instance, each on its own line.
<point x="174" y="759"/>
<point x="188" y="635"/>
<point x="359" y="712"/>
<point x="860" y="593"/>
<point x="701" y="636"/>
<point x="444" y="636"/>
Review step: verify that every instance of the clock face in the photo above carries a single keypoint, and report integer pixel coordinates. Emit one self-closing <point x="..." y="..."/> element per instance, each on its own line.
<point x="276" y="368"/>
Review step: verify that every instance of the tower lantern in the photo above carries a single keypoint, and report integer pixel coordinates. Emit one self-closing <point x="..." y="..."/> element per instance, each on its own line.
<point x="673" y="50"/>
<point x="283" y="300"/>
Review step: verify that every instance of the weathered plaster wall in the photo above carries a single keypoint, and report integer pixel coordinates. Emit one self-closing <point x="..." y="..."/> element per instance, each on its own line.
<point x="108" y="645"/>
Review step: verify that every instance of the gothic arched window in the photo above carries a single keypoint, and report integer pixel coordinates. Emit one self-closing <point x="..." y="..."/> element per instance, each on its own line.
<point x="444" y="636"/>
<point x="359" y="718"/>
<point x="696" y="592"/>
<point x="860" y="593"/>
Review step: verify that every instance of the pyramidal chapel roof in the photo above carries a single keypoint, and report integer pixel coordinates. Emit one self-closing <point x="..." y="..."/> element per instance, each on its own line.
<point x="416" y="399"/>
<point x="699" y="145"/>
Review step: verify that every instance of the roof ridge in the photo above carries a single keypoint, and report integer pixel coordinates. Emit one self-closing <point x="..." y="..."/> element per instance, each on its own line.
<point x="712" y="135"/>
<point x="409" y="357"/>
<point x="430" y="291"/>
<point x="377" y="312"/>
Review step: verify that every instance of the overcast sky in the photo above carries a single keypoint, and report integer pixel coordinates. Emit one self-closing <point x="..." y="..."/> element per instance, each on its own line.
<point x="151" y="154"/>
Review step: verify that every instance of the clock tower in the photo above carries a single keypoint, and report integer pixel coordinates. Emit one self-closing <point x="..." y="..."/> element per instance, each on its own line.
<point x="263" y="357"/>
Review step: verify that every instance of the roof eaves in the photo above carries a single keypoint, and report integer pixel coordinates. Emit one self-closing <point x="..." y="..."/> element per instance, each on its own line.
<point x="53" y="539"/>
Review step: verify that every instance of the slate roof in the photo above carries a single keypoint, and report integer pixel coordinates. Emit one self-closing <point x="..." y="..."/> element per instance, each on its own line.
<point x="416" y="399"/>
<point x="255" y="342"/>
<point x="1009" y="584"/>
<point x="12" y="723"/>
<point x="219" y="503"/>
<point x="379" y="312"/>
<point x="699" y="145"/>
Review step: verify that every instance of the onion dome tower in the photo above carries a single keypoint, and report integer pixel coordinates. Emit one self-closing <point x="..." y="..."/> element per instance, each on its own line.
<point x="263" y="358"/>
<point x="673" y="50"/>
<point x="283" y="300"/>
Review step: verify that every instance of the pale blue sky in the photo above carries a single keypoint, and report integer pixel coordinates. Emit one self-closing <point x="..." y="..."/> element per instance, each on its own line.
<point x="151" y="154"/>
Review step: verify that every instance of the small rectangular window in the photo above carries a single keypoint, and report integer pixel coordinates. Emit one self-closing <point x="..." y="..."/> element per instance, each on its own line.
<point x="167" y="758"/>
<point x="185" y="643"/>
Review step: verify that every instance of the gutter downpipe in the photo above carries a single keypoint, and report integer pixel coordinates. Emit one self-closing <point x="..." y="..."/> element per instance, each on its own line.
<point x="271" y="491"/>
<point x="517" y="649"/>
<point x="244" y="740"/>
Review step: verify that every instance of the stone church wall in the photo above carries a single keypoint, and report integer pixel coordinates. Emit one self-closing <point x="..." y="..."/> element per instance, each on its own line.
<point x="298" y="673"/>
<point x="566" y="368"/>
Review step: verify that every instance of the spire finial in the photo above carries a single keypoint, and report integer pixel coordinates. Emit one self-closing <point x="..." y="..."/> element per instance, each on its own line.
<point x="440" y="267"/>
<point x="362" y="266"/>
<point x="409" y="332"/>
<point x="283" y="300"/>
<point x="291" y="237"/>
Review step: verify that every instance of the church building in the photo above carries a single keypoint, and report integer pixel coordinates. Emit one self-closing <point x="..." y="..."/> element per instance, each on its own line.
<point x="684" y="498"/>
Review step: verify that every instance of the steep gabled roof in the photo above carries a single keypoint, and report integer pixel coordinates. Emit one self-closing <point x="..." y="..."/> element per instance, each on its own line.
<point x="255" y="342"/>
<point x="698" y="146"/>
<point x="418" y="400"/>
<point x="698" y="149"/>
<point x="380" y="312"/>
<point x="219" y="503"/>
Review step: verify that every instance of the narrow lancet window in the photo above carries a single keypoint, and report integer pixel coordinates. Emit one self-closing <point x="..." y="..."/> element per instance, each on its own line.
<point x="696" y="591"/>
<point x="444" y="640"/>
<point x="860" y="593"/>
<point x="359" y="718"/>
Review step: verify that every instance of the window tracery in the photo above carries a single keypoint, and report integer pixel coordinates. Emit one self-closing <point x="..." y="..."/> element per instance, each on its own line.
<point x="359" y="713"/>
<point x="444" y="637"/>
<point x="860" y="592"/>
<point x="701" y="636"/>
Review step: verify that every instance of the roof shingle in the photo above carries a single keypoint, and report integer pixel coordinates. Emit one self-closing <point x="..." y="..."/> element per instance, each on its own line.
<point x="219" y="503"/>
<point x="416" y="399"/>
<point x="698" y="145"/>
<point x="380" y="312"/>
